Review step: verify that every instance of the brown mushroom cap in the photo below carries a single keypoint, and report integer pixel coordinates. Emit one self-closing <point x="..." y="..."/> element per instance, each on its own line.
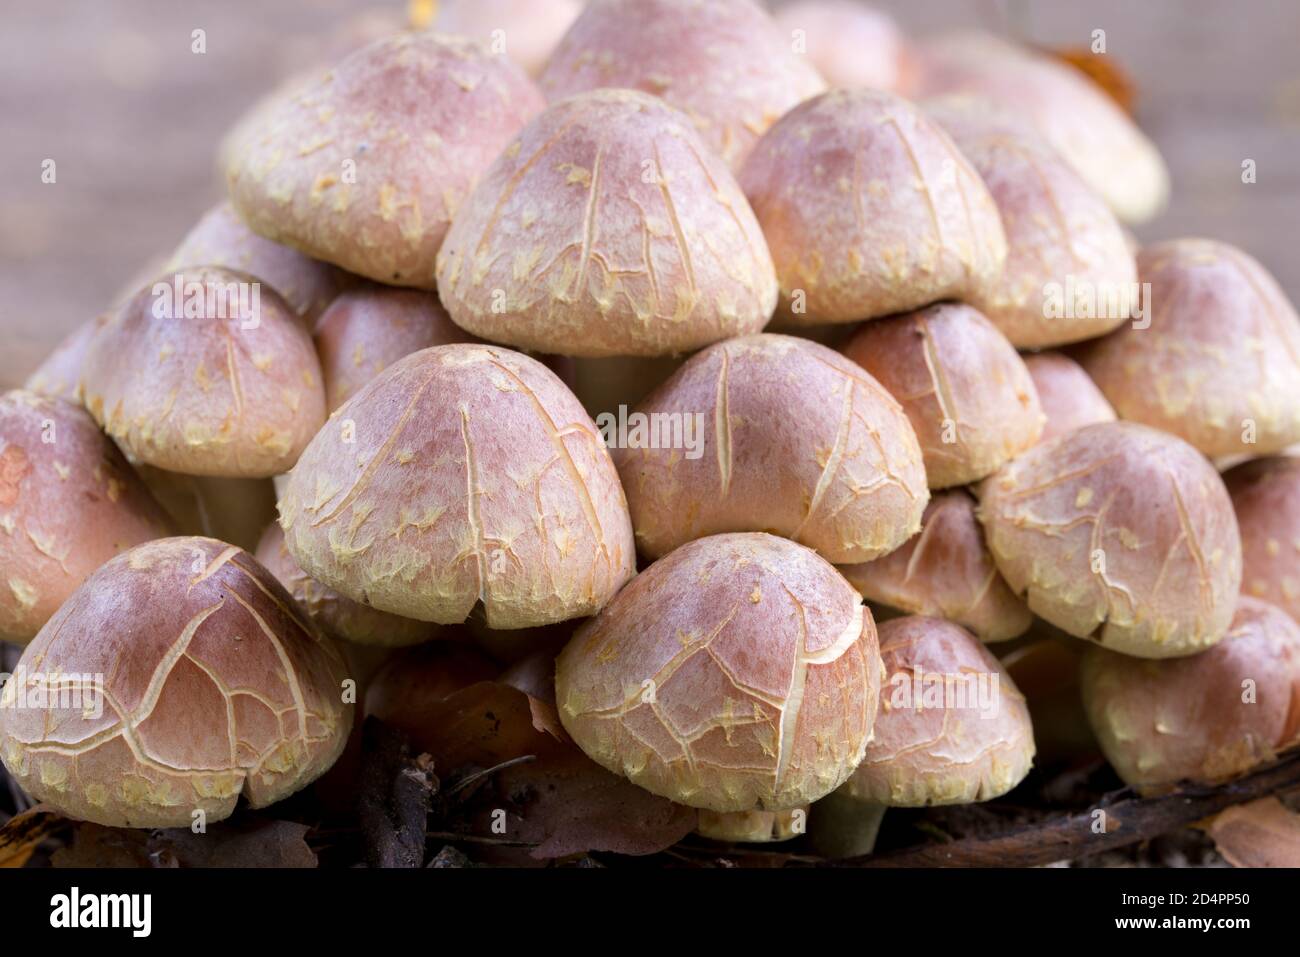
<point x="68" y="503"/>
<point x="737" y="673"/>
<point x="1069" y="274"/>
<point x="183" y="382"/>
<point x="952" y="726"/>
<point x="1120" y="533"/>
<point x="777" y="434"/>
<point x="1066" y="394"/>
<point x="850" y="43"/>
<point x="945" y="572"/>
<point x="1266" y="498"/>
<point x="365" y="166"/>
<point x="59" y="376"/>
<point x="966" y="391"/>
<point x="1073" y="114"/>
<point x="339" y="616"/>
<point x="527" y="31"/>
<point x="1219" y="365"/>
<point x="607" y="228"/>
<point x="462" y="474"/>
<point x="869" y="209"/>
<point x="198" y="680"/>
<point x="722" y="62"/>
<point x="1205" y="718"/>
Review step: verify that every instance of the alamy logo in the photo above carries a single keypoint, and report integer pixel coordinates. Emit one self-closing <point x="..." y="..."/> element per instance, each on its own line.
<point x="919" y="690"/>
<point x="73" y="910"/>
<point x="58" y="691"/>
<point x="653" y="430"/>
<point x="208" y="300"/>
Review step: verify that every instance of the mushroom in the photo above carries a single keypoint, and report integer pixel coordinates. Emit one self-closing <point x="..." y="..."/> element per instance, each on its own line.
<point x="462" y="474"/>
<point x="1206" y="718"/>
<point x="59" y="376"/>
<point x="231" y="510"/>
<point x="607" y="228"/>
<point x="527" y="31"/>
<point x="724" y="63"/>
<point x="850" y="43"/>
<point x="945" y="572"/>
<point x="68" y="503"/>
<point x="1266" y="498"/>
<point x="1217" y="360"/>
<point x="952" y="729"/>
<point x="737" y="673"/>
<point x="1046" y="670"/>
<point x="1068" y="397"/>
<point x="179" y="676"/>
<point x="1073" y="114"/>
<point x="776" y="434"/>
<point x="1069" y="274"/>
<point x="753" y="827"/>
<point x="206" y="373"/>
<point x="365" y="166"/>
<point x="966" y="391"/>
<point x="1121" y="534"/>
<point x="869" y="209"/>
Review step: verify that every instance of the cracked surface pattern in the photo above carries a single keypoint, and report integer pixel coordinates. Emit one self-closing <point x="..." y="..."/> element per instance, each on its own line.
<point x="213" y="686"/>
<point x="607" y="228"/>
<point x="474" y="475"/>
<point x="966" y="392"/>
<point x="738" y="673"/>
<point x="1121" y="534"/>
<point x="1206" y="718"/>
<point x="946" y="572"/>
<point x="848" y="42"/>
<point x="723" y="63"/>
<point x="1266" y="498"/>
<point x="418" y="115"/>
<point x="1219" y="365"/>
<point x="68" y="503"/>
<point x="925" y="755"/>
<point x="1066" y="394"/>
<point x="198" y="394"/>
<point x="870" y="209"/>
<point x="796" y="440"/>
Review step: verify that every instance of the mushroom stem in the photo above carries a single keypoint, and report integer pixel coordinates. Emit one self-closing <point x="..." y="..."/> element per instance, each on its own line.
<point x="843" y="826"/>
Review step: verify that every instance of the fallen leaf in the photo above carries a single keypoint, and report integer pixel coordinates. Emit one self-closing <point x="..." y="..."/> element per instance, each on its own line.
<point x="24" y="832"/>
<point x="1263" y="833"/>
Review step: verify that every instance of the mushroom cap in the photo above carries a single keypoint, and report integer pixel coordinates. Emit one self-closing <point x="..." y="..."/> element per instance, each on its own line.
<point x="220" y="238"/>
<point x="724" y="63"/>
<point x="59" y="376"/>
<point x="1073" y="114"/>
<point x="365" y="166"/>
<point x="1219" y="364"/>
<point x="850" y="43"/>
<point x="965" y="390"/>
<point x="1066" y="394"/>
<point x="869" y="209"/>
<point x="945" y="572"/>
<point x="1069" y="273"/>
<point x="607" y="228"/>
<point x="462" y="474"/>
<point x="952" y="726"/>
<point x="1119" y="533"/>
<point x="785" y="436"/>
<point x="1266" y="498"/>
<point x="1205" y="718"/>
<point x="68" y="503"/>
<point x="185" y="676"/>
<point x="527" y="31"/>
<point x="184" y="383"/>
<point x="338" y="616"/>
<point x="737" y="673"/>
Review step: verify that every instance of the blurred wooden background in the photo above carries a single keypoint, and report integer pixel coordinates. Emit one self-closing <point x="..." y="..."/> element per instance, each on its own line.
<point x="110" y="90"/>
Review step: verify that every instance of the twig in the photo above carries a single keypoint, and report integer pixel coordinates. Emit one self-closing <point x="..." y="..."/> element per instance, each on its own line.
<point x="476" y="776"/>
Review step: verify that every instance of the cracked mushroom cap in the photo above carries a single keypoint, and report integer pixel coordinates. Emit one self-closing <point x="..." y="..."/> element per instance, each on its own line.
<point x="365" y="166"/>
<point x="723" y="63"/>
<point x="69" y="502"/>
<point x="462" y="474"/>
<point x="945" y="572"/>
<point x="964" y="388"/>
<point x="737" y="673"/>
<point x="210" y="373"/>
<point x="952" y="726"/>
<point x="1066" y="394"/>
<point x="1266" y="498"/>
<point x="850" y="43"/>
<point x="1219" y="364"/>
<point x="178" y="677"/>
<point x="1205" y="718"/>
<point x="527" y="31"/>
<point x="779" y="435"/>
<point x="1072" y="113"/>
<point x="1069" y="274"/>
<point x="607" y="228"/>
<point x="1121" y="534"/>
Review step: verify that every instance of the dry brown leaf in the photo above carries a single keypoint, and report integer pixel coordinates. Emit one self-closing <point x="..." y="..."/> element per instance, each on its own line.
<point x="24" y="832"/>
<point x="1263" y="833"/>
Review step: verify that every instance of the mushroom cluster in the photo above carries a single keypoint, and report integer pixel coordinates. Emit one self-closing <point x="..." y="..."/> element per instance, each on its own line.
<point x="547" y="491"/>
